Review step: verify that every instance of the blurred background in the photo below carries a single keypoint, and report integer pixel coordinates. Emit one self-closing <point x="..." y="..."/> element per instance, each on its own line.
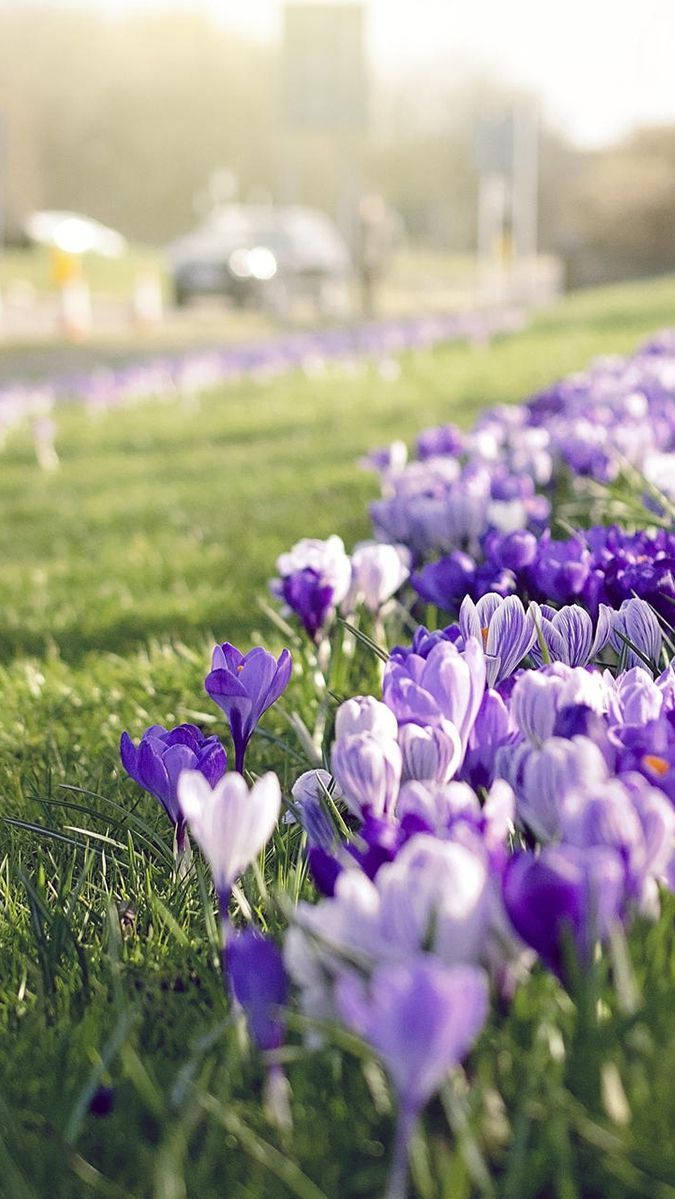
<point x="208" y="170"/>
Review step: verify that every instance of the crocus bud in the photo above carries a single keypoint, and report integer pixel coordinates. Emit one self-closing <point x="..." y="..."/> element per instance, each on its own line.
<point x="429" y="754"/>
<point x="365" y="714"/>
<point x="368" y="769"/>
<point x="309" y="791"/>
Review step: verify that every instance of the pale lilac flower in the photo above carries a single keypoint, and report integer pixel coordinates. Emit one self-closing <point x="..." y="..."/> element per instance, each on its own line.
<point x="421" y="1018"/>
<point x="378" y="570"/>
<point x="431" y="754"/>
<point x="605" y="814"/>
<point x="368" y="769"/>
<point x="365" y="714"/>
<point x="438" y="805"/>
<point x="635" y="699"/>
<point x="503" y="627"/>
<point x="439" y="893"/>
<point x="538" y="696"/>
<point x="542" y="777"/>
<point x="230" y="824"/>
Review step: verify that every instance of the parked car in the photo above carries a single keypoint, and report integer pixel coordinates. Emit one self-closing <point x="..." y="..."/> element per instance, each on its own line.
<point x="262" y="256"/>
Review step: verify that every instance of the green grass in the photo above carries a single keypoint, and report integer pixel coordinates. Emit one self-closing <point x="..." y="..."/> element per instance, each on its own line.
<point x="155" y="537"/>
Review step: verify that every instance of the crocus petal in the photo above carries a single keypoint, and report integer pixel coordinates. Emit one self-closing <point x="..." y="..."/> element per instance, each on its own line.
<point x="511" y="635"/>
<point x="230" y="824"/>
<point x="576" y="630"/>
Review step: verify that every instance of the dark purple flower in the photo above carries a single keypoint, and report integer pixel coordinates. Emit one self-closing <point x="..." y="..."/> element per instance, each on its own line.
<point x="444" y="439"/>
<point x="490" y="578"/>
<point x="102" y="1101"/>
<point x="245" y="686"/>
<point x="324" y="868"/>
<point x="423" y="642"/>
<point x="493" y="730"/>
<point x="511" y="550"/>
<point x="258" y="980"/>
<point x="562" y="901"/>
<point x="560" y="569"/>
<point x="446" y="582"/>
<point x="160" y="757"/>
<point x="310" y="597"/>
<point x="379" y="842"/>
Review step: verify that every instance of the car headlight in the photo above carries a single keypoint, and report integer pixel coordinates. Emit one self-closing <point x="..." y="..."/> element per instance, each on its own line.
<point x="262" y="263"/>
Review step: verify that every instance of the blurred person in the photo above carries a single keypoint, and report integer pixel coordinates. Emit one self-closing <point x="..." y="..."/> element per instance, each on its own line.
<point x="380" y="230"/>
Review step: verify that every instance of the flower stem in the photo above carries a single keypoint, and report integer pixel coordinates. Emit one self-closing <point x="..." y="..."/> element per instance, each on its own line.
<point x="398" y="1176"/>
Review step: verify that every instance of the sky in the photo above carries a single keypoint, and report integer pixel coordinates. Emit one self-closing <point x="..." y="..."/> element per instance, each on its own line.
<point x="600" y="66"/>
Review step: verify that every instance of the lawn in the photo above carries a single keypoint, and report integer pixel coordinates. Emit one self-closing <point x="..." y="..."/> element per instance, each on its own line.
<point x="154" y="539"/>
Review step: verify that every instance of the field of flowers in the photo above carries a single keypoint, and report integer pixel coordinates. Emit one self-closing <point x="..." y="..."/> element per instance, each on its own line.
<point x="374" y="897"/>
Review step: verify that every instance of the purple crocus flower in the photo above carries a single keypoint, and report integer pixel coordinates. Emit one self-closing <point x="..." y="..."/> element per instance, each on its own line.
<point x="636" y="623"/>
<point x="606" y="815"/>
<point x="310" y="792"/>
<point x="541" y="778"/>
<point x="159" y="758"/>
<point x="255" y="968"/>
<point x="446" y="582"/>
<point x="564" y="900"/>
<point x="310" y="598"/>
<point x="423" y="642"/>
<point x="538" y="696"/>
<point x="368" y="769"/>
<point x="569" y="635"/>
<point x="422" y="1019"/>
<point x="430" y="754"/>
<point x="445" y="687"/>
<point x="636" y="699"/>
<point x="514" y="551"/>
<point x="560" y="569"/>
<point x="505" y="629"/>
<point x="492" y="730"/>
<point x="365" y="714"/>
<point x="245" y="686"/>
<point x="314" y="576"/>
<point x="443" y="439"/>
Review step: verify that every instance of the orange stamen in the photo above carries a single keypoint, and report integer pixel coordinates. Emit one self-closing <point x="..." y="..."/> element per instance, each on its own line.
<point x="657" y="765"/>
